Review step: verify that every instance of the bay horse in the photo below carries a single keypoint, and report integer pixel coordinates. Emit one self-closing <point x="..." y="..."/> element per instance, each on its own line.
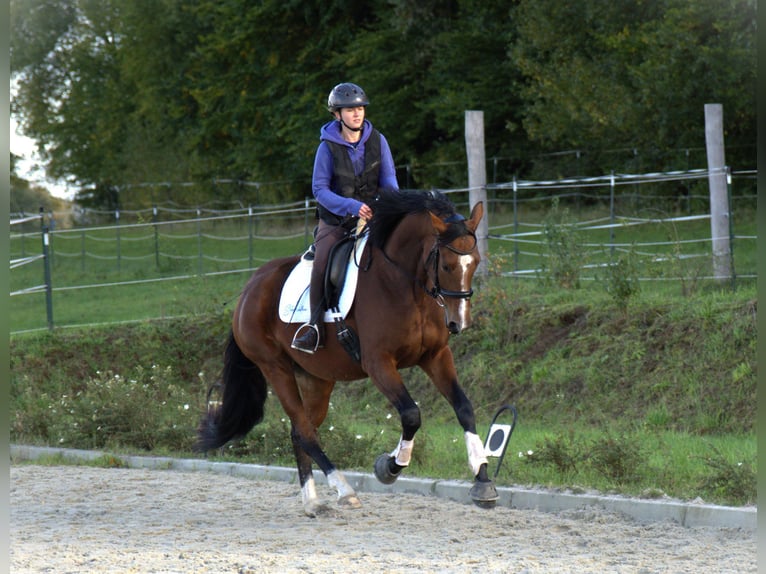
<point x="413" y="292"/>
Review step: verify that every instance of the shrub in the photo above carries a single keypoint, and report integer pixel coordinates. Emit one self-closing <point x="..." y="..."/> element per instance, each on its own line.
<point x="143" y="409"/>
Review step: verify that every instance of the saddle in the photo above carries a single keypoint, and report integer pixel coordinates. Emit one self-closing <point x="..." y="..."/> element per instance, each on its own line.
<point x="341" y="258"/>
<point x="340" y="282"/>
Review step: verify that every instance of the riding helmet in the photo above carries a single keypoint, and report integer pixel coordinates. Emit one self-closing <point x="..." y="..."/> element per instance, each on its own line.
<point x="346" y="95"/>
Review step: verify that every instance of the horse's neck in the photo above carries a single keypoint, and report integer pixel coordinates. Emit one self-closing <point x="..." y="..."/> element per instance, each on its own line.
<point x="410" y="244"/>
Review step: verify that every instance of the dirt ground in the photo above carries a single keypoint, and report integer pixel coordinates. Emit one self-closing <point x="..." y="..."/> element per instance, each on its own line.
<point x="73" y="519"/>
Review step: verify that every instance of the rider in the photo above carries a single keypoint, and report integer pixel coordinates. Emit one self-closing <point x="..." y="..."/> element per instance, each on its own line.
<point x="352" y="162"/>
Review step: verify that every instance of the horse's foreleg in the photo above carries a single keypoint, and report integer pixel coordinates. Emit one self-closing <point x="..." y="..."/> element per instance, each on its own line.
<point x="441" y="370"/>
<point x="389" y="466"/>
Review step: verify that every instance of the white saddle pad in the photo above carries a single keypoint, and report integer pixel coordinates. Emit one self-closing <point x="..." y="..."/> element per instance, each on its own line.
<point x="294" y="306"/>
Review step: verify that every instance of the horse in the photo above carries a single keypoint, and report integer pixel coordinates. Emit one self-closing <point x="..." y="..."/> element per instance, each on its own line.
<point x="413" y="293"/>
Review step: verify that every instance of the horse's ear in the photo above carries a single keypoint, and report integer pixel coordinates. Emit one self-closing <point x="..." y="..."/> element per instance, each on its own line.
<point x="438" y="224"/>
<point x="476" y="214"/>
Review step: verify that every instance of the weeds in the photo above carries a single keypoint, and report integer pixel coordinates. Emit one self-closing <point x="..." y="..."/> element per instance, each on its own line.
<point x="560" y="452"/>
<point x="621" y="279"/>
<point x="616" y="459"/>
<point x="566" y="359"/>
<point x="565" y="254"/>
<point x="735" y="481"/>
<point x="143" y="409"/>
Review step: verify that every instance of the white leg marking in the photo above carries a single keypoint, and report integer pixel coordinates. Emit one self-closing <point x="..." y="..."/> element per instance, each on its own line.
<point x="309" y="492"/>
<point x="476" y="454"/>
<point x="403" y="452"/>
<point x="338" y="481"/>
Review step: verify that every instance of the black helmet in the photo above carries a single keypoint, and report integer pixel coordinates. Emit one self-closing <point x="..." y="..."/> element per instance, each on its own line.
<point x="346" y="95"/>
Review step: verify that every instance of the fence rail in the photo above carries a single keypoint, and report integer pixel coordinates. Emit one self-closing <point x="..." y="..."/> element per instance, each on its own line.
<point x="215" y="242"/>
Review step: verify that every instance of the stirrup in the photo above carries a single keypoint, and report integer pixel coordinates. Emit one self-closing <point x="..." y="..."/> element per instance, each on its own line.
<point x="310" y="351"/>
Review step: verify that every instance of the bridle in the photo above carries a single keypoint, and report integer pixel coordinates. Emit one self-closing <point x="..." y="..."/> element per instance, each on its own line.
<point x="437" y="291"/>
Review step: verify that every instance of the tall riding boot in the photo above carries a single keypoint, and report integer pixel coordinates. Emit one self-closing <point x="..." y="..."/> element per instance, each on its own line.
<point x="309" y="336"/>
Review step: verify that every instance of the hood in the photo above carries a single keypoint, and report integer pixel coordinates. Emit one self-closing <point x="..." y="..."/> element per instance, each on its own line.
<point x="331" y="132"/>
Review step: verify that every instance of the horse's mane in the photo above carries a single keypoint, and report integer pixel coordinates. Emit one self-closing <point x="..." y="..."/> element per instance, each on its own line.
<point x="391" y="206"/>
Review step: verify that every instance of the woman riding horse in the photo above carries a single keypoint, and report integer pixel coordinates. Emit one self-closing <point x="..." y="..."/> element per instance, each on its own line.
<point x="352" y="161"/>
<point x="414" y="289"/>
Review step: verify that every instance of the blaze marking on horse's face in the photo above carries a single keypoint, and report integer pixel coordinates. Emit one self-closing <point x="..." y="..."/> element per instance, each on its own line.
<point x="464" y="308"/>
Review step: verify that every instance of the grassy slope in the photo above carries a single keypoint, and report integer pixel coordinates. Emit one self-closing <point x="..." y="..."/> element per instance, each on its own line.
<point x="569" y="360"/>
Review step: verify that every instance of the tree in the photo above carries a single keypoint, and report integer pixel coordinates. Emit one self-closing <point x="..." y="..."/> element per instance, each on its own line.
<point x="605" y="75"/>
<point x="121" y="93"/>
<point x="26" y="198"/>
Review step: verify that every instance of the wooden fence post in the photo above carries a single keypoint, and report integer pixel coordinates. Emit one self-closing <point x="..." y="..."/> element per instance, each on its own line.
<point x="477" y="178"/>
<point x="719" y="201"/>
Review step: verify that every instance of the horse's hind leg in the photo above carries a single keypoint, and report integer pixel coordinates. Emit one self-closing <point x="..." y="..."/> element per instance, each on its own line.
<point x="307" y="408"/>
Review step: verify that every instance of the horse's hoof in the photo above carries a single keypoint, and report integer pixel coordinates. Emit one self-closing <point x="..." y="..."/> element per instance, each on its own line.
<point x="484" y="494"/>
<point x="383" y="470"/>
<point x="314" y="508"/>
<point x="350" y="501"/>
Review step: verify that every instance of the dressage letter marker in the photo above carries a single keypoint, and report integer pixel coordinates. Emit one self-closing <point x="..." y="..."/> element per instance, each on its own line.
<point x="497" y="439"/>
<point x="499" y="435"/>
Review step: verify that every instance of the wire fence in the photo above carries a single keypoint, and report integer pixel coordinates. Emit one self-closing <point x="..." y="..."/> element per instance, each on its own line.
<point x="610" y="216"/>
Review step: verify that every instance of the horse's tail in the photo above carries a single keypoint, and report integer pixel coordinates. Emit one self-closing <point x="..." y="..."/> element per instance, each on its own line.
<point x="244" y="395"/>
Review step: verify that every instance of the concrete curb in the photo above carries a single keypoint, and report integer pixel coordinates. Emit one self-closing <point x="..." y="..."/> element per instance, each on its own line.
<point x="686" y="514"/>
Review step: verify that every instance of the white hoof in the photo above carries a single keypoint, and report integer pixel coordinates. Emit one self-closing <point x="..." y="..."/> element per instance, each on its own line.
<point x="350" y="501"/>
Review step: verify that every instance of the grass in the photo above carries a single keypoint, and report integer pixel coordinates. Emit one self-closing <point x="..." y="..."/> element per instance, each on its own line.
<point x="644" y="389"/>
<point x="605" y="402"/>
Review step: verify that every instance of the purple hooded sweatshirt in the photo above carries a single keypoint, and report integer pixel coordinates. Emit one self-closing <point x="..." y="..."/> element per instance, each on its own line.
<point x="323" y="168"/>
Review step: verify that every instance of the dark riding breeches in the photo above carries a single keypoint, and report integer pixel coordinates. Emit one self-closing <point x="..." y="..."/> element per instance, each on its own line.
<point x="326" y="237"/>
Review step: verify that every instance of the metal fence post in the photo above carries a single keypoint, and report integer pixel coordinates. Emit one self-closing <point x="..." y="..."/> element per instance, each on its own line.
<point x="156" y="238"/>
<point x="82" y="251"/>
<point x="477" y="180"/>
<point x="611" y="214"/>
<point x="250" y="235"/>
<point x="731" y="229"/>
<point x="117" y="221"/>
<point x="47" y="271"/>
<point x="719" y="208"/>
<point x="515" y="226"/>
<point x="199" y="240"/>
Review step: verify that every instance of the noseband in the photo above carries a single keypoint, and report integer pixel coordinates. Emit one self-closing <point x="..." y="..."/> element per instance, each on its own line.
<point x="437" y="291"/>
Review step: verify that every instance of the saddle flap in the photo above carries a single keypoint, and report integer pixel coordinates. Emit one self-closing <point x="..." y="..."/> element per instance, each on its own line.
<point x="337" y="269"/>
<point x="294" y="299"/>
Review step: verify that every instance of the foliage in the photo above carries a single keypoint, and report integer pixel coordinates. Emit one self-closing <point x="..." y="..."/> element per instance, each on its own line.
<point x="29" y="199"/>
<point x="734" y="480"/>
<point x="143" y="409"/>
<point x="608" y="76"/>
<point x="618" y="459"/>
<point x="562" y="452"/>
<point x="564" y="253"/>
<point x="607" y="400"/>
<point x="120" y="93"/>
<point x="621" y="279"/>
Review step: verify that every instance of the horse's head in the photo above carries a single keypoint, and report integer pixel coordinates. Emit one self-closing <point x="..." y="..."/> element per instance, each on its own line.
<point x="455" y="257"/>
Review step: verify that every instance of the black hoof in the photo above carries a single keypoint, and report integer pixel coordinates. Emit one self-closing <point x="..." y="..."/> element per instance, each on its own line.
<point x="383" y="470"/>
<point x="484" y="494"/>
